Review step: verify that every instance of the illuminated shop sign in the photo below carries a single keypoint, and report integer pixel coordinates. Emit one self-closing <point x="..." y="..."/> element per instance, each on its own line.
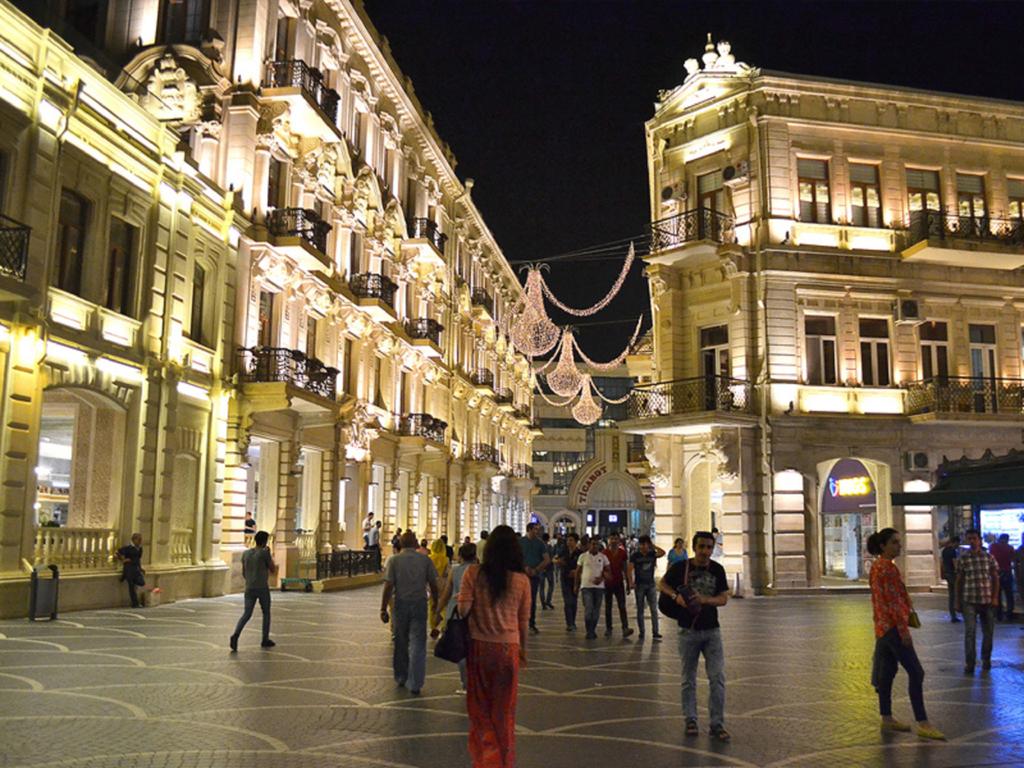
<point x="849" y="486"/>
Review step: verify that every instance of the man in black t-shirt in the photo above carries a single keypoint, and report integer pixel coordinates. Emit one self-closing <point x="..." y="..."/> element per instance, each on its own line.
<point x="641" y="575"/>
<point x="702" y="636"/>
<point x="569" y="554"/>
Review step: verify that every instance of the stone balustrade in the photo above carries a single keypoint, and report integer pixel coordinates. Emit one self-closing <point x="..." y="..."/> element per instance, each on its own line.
<point x="83" y="549"/>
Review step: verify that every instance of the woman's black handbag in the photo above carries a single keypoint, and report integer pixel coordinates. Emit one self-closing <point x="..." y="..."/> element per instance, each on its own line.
<point x="690" y="610"/>
<point x="453" y="645"/>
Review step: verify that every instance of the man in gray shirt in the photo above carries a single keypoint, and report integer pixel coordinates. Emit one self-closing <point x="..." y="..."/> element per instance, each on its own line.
<point x="257" y="565"/>
<point x="407" y="577"/>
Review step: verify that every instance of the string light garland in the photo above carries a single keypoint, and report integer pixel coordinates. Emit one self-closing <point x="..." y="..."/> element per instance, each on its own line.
<point x="615" y="363"/>
<point x="595" y="308"/>
<point x="586" y="410"/>
<point x="565" y="380"/>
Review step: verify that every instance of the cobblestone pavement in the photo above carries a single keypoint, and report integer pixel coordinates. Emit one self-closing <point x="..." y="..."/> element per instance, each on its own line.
<point x="157" y="687"/>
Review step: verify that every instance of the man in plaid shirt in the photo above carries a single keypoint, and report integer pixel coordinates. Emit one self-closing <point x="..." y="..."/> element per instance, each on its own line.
<point x="977" y="589"/>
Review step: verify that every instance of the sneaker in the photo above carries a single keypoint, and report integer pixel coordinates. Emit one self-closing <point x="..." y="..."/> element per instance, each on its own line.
<point x="268" y="643"/>
<point x="534" y="630"/>
<point x="657" y="636"/>
<point x="591" y="635"/>
<point x="954" y="620"/>
<point x="415" y="692"/>
<point x="720" y="733"/>
<point x="894" y="725"/>
<point x="607" y="633"/>
<point x="641" y="637"/>
<point x="233" y="642"/>
<point x="931" y="733"/>
<point x="986" y="665"/>
<point x="400" y="683"/>
<point x="968" y="669"/>
<point x="627" y="632"/>
<point x="569" y="627"/>
<point x="691" y="728"/>
<point x="460" y="691"/>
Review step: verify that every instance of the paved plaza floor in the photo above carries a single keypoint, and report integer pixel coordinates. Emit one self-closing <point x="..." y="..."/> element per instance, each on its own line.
<point x="158" y="687"/>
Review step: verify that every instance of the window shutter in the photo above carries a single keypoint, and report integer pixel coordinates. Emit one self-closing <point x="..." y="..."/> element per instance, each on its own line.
<point x="863" y="174"/>
<point x="709" y="182"/>
<point x="969" y="183"/>
<point x="918" y="179"/>
<point x="1015" y="187"/>
<point x="811" y="169"/>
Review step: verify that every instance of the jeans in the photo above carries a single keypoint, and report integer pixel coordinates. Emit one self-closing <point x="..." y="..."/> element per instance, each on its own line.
<point x="133" y="596"/>
<point x="251" y="596"/>
<point x="617" y="591"/>
<point x="547" y="587"/>
<point x="592" y="597"/>
<point x="569" y="602"/>
<point x="951" y="591"/>
<point x="534" y="588"/>
<point x="890" y="653"/>
<point x="409" y="660"/>
<point x="973" y="611"/>
<point x="1005" y="595"/>
<point x="692" y="643"/>
<point x="646" y="593"/>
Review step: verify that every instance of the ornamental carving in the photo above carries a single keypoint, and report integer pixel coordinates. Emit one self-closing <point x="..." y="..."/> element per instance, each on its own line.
<point x="170" y="94"/>
<point x="361" y="430"/>
<point x="657" y="452"/>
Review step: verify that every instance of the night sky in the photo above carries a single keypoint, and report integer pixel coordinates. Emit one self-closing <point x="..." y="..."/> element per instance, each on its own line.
<point x="544" y="103"/>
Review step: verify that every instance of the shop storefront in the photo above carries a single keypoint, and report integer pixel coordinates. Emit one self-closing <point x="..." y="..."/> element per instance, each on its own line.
<point x="848" y="510"/>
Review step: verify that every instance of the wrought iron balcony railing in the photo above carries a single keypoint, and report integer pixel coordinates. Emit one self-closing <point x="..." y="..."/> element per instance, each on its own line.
<point x="424" y="328"/>
<point x="485" y="453"/>
<point x="482" y="377"/>
<point x="370" y="285"/>
<point x="502" y="396"/>
<point x="937" y="225"/>
<point x="277" y="364"/>
<point x="299" y="222"/>
<point x="295" y="73"/>
<point x="683" y="396"/>
<point x="966" y="394"/>
<point x="428" y="230"/>
<point x="691" y="226"/>
<point x="348" y="562"/>
<point x="423" y="425"/>
<point x="480" y="298"/>
<point x="13" y="248"/>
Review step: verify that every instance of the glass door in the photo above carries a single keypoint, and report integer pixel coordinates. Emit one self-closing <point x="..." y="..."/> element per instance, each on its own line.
<point x="714" y="363"/>
<point x="983" y="367"/>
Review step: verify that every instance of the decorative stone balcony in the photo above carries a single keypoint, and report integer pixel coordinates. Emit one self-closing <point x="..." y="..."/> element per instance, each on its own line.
<point x="964" y="241"/>
<point x="503" y="397"/>
<point x="426" y="241"/>
<point x="701" y="227"/>
<point x="425" y="333"/>
<point x="483" y="453"/>
<point x="483" y="380"/>
<point x="376" y="294"/>
<point x="314" y="106"/>
<point x="423" y="425"/>
<point x="14" y="238"/>
<point x="277" y="365"/>
<point x="697" y="395"/>
<point x="966" y="398"/>
<point x="482" y="302"/>
<point x="302" y="235"/>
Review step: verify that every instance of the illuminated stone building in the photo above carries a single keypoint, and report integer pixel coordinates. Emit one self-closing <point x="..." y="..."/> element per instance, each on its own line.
<point x="590" y="477"/>
<point x="838" y="303"/>
<point x="239" y="274"/>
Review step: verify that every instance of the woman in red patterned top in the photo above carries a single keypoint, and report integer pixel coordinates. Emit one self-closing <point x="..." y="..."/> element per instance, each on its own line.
<point x="893" y="644"/>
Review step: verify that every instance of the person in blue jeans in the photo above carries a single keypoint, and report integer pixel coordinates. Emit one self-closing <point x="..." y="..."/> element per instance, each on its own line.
<point x="641" y="576"/>
<point x="701" y="635"/>
<point x="592" y="569"/>
<point x="257" y="566"/>
<point x="407" y="576"/>
<point x="536" y="560"/>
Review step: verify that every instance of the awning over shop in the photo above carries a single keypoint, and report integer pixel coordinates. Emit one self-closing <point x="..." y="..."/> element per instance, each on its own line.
<point x="989" y="480"/>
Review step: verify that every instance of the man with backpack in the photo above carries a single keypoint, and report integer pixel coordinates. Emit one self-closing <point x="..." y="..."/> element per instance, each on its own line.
<point x="694" y="589"/>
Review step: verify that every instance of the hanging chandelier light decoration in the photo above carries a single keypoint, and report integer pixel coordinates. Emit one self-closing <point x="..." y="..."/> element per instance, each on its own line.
<point x="566" y="378"/>
<point x="595" y="308"/>
<point x="533" y="333"/>
<point x="586" y="410"/>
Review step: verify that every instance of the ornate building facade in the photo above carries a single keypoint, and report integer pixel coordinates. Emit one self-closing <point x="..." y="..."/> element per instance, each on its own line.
<point x="241" y="276"/>
<point x="838" y="303"/>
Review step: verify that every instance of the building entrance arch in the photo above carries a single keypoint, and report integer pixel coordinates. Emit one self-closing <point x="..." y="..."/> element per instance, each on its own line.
<point x="853" y="504"/>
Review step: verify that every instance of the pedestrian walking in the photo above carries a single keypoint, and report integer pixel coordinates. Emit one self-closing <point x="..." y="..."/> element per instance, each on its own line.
<point x="535" y="560"/>
<point x="950" y="552"/>
<point x="367" y="527"/>
<point x="496" y="597"/>
<point x="977" y="589"/>
<point x="592" y="568"/>
<point x="480" y="546"/>
<point x="396" y="542"/>
<point x="450" y="595"/>
<point x="1003" y="554"/>
<point x="408" y="575"/>
<point x="439" y="557"/>
<point x="719" y="551"/>
<point x="257" y="566"/>
<point x="616" y="586"/>
<point x="567" y="561"/>
<point x="448" y="548"/>
<point x="701" y="635"/>
<point x="678" y="552"/>
<point x="547" y="584"/>
<point x="132" y="572"/>
<point x="893" y="644"/>
<point x="642" y="564"/>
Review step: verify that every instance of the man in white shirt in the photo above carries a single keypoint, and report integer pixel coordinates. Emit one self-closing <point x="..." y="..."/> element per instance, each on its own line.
<point x="592" y="569"/>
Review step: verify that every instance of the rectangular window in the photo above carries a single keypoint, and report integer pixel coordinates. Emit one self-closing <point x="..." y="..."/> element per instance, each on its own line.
<point x="866" y="207"/>
<point x="195" y="328"/>
<point x="121" y="268"/>
<point x="284" y="27"/>
<point x="277" y="184"/>
<point x="923" y="190"/>
<point x="934" y="350"/>
<point x="266" y="320"/>
<point x="970" y="200"/>
<point x="355" y="252"/>
<point x="185" y="20"/>
<point x="72" y="220"/>
<point x="312" y="329"/>
<point x="1015" y="192"/>
<point x="820" y="343"/>
<point x="874" y="352"/>
<point x="351" y="375"/>
<point x="814" y="192"/>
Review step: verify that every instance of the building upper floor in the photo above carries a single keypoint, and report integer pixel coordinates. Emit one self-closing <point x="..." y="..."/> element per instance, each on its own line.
<point x="765" y="159"/>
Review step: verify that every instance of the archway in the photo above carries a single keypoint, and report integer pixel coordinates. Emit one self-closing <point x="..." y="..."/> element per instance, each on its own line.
<point x="851" y="507"/>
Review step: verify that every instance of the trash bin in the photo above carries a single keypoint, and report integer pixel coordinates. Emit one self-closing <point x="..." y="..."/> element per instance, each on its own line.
<point x="42" y="601"/>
